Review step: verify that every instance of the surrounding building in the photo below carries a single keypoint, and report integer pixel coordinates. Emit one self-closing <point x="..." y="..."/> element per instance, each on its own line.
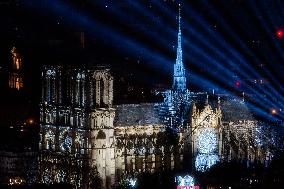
<point x="16" y="75"/>
<point x="18" y="167"/>
<point x="19" y="135"/>
<point x="83" y="135"/>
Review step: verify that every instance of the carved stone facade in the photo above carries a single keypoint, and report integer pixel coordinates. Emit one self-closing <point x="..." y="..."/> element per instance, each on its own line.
<point x="76" y="130"/>
<point x="206" y="129"/>
<point x="82" y="132"/>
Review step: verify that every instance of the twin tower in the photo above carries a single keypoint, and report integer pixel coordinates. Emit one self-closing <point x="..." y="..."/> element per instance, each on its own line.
<point x="76" y="126"/>
<point x="81" y="88"/>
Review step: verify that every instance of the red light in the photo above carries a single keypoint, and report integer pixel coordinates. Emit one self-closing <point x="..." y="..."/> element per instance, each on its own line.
<point x="279" y="33"/>
<point x="237" y="83"/>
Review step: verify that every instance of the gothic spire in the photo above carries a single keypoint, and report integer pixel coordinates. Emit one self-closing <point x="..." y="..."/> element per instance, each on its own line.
<point x="179" y="82"/>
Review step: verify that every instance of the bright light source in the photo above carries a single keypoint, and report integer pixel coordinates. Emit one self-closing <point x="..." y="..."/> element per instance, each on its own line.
<point x="207" y="141"/>
<point x="16" y="181"/>
<point x="206" y="146"/>
<point x="203" y="162"/>
<point x="132" y="181"/>
<point x="237" y="83"/>
<point x="185" y="181"/>
<point x="30" y="121"/>
<point x="273" y="111"/>
<point x="279" y="33"/>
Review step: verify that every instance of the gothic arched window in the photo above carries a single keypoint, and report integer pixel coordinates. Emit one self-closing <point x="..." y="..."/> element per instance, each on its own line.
<point x="50" y="140"/>
<point x="101" y="135"/>
<point x="101" y="92"/>
<point x="94" y="93"/>
<point x="65" y="140"/>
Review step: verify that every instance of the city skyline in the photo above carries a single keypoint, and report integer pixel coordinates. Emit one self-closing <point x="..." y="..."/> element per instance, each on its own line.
<point x="106" y="93"/>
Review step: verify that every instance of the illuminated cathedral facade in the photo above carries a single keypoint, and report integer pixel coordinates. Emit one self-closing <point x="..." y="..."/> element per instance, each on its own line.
<point x="83" y="134"/>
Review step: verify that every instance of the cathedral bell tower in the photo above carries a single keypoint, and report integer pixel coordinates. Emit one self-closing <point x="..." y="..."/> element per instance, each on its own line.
<point x="102" y="129"/>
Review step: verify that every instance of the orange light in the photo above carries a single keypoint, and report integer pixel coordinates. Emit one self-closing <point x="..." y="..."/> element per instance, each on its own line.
<point x="30" y="121"/>
<point x="273" y="111"/>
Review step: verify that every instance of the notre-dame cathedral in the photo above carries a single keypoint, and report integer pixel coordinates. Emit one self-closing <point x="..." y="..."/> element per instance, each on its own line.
<point x="82" y="133"/>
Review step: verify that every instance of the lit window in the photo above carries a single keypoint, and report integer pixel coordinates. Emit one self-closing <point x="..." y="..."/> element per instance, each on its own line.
<point x="17" y="62"/>
<point x="17" y="84"/>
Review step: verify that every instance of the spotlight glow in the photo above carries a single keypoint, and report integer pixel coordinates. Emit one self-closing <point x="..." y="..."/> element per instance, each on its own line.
<point x="207" y="141"/>
<point x="185" y="181"/>
<point x="132" y="182"/>
<point x="279" y="33"/>
<point x="206" y="146"/>
<point x="205" y="161"/>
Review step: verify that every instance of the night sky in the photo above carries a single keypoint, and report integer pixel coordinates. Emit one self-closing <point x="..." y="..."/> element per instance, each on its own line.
<point x="229" y="46"/>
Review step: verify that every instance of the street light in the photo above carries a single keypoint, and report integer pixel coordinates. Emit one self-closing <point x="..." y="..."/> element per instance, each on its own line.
<point x="30" y="121"/>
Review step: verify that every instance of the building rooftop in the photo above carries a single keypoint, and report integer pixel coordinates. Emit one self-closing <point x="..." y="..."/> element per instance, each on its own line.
<point x="137" y="114"/>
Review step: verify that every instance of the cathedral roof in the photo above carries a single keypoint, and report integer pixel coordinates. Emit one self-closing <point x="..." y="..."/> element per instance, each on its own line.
<point x="234" y="110"/>
<point x="136" y="114"/>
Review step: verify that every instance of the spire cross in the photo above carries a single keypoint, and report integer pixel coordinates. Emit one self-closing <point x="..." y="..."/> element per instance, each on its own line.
<point x="179" y="17"/>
